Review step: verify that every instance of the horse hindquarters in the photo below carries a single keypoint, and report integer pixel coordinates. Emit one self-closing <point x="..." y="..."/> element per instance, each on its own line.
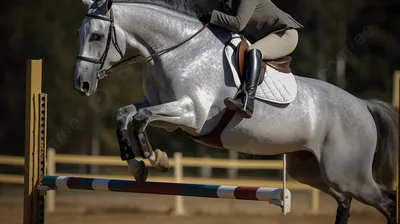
<point x="349" y="156"/>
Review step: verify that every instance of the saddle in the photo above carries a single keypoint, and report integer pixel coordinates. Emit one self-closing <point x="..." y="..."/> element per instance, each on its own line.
<point x="280" y="64"/>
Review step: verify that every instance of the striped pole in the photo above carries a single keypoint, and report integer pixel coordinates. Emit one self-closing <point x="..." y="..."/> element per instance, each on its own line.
<point x="194" y="190"/>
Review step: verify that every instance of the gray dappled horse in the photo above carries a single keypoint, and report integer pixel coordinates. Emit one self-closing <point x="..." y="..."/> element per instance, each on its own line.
<point x="335" y="142"/>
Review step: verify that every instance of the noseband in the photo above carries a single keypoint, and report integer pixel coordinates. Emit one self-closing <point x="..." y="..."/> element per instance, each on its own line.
<point x="112" y="37"/>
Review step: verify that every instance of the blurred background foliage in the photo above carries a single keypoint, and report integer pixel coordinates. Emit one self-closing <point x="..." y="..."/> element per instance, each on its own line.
<point x="362" y="33"/>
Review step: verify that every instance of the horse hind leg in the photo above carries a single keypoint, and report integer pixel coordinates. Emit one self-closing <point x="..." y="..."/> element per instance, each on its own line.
<point x="346" y="171"/>
<point x="389" y="205"/>
<point x="304" y="167"/>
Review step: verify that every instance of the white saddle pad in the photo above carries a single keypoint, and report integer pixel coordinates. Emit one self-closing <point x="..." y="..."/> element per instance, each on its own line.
<point x="277" y="87"/>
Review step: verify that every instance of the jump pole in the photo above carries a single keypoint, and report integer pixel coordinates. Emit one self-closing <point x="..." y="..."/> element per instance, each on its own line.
<point x="273" y="195"/>
<point x="37" y="184"/>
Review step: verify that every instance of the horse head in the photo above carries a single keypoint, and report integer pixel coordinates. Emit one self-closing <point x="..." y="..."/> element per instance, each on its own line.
<point x="102" y="43"/>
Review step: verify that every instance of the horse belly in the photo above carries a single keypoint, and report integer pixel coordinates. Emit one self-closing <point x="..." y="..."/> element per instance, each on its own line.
<point x="265" y="137"/>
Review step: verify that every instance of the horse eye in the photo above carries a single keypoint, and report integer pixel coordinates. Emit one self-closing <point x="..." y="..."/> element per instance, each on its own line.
<point x="96" y="37"/>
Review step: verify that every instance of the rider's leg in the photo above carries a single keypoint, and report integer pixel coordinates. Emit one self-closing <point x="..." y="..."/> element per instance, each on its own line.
<point x="270" y="47"/>
<point x="253" y="71"/>
<point x="276" y="46"/>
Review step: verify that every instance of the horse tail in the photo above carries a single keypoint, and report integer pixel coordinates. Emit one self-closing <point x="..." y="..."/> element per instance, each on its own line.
<point x="385" y="159"/>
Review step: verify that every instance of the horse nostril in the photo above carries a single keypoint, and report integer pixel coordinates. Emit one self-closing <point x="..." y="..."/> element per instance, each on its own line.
<point x="85" y="86"/>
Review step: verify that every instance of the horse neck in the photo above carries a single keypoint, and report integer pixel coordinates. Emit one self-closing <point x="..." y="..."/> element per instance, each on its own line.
<point x="150" y="28"/>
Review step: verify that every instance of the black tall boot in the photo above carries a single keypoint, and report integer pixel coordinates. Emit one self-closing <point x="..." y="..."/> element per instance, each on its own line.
<point x="244" y="99"/>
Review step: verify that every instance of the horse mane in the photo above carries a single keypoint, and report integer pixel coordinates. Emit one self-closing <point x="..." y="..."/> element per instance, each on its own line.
<point x="187" y="7"/>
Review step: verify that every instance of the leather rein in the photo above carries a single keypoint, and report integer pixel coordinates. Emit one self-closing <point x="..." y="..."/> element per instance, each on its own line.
<point x="112" y="38"/>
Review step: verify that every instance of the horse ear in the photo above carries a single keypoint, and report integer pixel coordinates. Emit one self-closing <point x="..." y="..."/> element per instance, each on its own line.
<point x="88" y="3"/>
<point x="104" y="5"/>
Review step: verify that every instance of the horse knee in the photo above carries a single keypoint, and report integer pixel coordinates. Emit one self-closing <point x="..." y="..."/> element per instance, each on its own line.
<point x="124" y="115"/>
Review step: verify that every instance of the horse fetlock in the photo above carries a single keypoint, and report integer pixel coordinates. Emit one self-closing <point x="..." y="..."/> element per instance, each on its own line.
<point x="161" y="161"/>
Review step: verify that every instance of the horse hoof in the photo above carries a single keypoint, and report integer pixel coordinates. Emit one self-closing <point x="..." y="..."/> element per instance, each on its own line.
<point x="141" y="173"/>
<point x="161" y="160"/>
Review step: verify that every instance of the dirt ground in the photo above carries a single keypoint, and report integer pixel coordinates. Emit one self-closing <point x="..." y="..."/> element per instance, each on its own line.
<point x="86" y="207"/>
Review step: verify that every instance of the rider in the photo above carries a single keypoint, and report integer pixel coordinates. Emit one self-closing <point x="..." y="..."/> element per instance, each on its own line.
<point x="272" y="32"/>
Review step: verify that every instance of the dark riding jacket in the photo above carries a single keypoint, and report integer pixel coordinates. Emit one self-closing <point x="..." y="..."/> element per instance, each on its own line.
<point x="255" y="19"/>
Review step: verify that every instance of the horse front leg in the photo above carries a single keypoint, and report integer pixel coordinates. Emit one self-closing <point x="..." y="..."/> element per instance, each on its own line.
<point x="168" y="115"/>
<point x="123" y="117"/>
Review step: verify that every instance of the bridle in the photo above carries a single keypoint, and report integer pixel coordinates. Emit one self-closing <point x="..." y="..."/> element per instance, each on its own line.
<point x="112" y="38"/>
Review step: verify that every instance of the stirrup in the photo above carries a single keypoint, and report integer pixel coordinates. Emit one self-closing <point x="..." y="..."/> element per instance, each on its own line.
<point x="246" y="99"/>
<point x="237" y="93"/>
<point x="246" y="95"/>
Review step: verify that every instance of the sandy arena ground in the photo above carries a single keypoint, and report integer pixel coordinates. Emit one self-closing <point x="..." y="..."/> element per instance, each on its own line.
<point x="87" y="207"/>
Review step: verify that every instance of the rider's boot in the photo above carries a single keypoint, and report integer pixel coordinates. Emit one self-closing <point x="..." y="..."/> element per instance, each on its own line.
<point x="243" y="102"/>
